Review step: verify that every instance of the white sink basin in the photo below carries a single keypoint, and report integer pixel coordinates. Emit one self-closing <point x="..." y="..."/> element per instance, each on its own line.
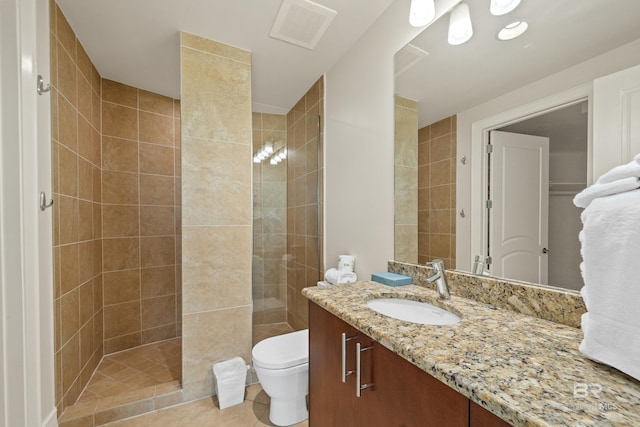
<point x="412" y="311"/>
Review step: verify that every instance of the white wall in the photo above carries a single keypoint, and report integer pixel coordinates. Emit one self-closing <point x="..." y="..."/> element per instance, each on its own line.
<point x="572" y="78"/>
<point x="359" y="143"/>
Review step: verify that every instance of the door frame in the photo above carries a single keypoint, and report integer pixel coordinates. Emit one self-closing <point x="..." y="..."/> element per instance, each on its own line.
<point x="479" y="169"/>
<point x="27" y="393"/>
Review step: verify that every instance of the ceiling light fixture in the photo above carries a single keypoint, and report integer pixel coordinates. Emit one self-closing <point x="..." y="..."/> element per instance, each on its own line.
<point x="421" y="12"/>
<point x="513" y="30"/>
<point x="460" y="28"/>
<point x="502" y="7"/>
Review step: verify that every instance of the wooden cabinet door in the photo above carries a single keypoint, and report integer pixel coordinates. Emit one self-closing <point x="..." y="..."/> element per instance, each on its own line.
<point x="404" y="395"/>
<point x="480" y="417"/>
<point x="331" y="402"/>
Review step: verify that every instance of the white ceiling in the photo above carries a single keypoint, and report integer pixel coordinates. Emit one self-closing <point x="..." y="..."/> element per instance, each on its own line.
<point x="136" y="42"/>
<point x="561" y="33"/>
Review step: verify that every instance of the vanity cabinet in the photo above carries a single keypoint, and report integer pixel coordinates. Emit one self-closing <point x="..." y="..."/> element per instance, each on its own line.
<point x="397" y="392"/>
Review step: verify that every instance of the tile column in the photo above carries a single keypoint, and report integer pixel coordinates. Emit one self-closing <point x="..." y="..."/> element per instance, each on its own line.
<point x="216" y="208"/>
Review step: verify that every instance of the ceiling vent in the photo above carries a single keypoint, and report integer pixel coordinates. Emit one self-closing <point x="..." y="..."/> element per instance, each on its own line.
<point x="302" y="22"/>
<point x="407" y="57"/>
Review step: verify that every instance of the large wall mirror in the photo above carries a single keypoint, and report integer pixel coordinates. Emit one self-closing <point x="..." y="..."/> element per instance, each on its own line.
<point x="542" y="153"/>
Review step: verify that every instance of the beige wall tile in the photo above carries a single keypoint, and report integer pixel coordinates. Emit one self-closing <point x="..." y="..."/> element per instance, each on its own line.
<point x="156" y="190"/>
<point x="156" y="159"/>
<point x="67" y="76"/>
<point x="70" y="358"/>
<point x="157" y="220"/>
<point x="209" y="337"/>
<point x="119" y="93"/>
<point x="67" y="172"/>
<point x="222" y="278"/>
<point x="159" y="334"/>
<point x="65" y="34"/>
<point x="155" y="103"/>
<point x="119" y="121"/>
<point x="121" y="319"/>
<point x="217" y="183"/>
<point x="113" y="345"/>
<point x="215" y="48"/>
<point x="218" y="89"/>
<point x="158" y="281"/>
<point x="158" y="311"/>
<point x="68" y="219"/>
<point x="157" y="251"/>
<point x="119" y="187"/>
<point x="120" y="220"/>
<point x="84" y="63"/>
<point x="69" y="275"/>
<point x="84" y="97"/>
<point x="119" y="154"/>
<point x="156" y="128"/>
<point x="120" y="253"/>
<point x="70" y="306"/>
<point x="121" y="286"/>
<point x="85" y="261"/>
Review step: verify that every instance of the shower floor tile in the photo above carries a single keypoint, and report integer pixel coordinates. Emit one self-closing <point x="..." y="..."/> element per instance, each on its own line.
<point x="129" y="383"/>
<point x="135" y="369"/>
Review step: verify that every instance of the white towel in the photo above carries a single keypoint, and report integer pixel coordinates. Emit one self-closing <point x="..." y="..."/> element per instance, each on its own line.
<point x="611" y="342"/>
<point x="611" y="273"/>
<point x="631" y="169"/>
<point x="339" y="277"/>
<point x="586" y="196"/>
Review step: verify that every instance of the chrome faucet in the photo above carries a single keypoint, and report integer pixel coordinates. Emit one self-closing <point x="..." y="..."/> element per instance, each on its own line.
<point x="439" y="278"/>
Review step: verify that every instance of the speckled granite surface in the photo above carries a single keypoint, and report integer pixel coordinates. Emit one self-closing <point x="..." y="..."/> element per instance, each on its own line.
<point x="526" y="370"/>
<point x="547" y="303"/>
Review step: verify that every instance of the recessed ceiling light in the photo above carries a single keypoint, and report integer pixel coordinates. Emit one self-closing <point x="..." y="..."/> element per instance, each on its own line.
<point x="502" y="7"/>
<point x="513" y="30"/>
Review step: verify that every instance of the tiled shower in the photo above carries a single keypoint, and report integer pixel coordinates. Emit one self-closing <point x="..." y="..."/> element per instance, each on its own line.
<point x="118" y="179"/>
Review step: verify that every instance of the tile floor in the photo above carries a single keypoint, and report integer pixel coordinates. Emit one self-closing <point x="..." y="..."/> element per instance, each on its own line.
<point x="135" y="369"/>
<point x="147" y="378"/>
<point x="253" y="412"/>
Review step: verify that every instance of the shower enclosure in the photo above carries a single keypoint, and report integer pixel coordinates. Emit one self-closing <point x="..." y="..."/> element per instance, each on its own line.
<point x="286" y="219"/>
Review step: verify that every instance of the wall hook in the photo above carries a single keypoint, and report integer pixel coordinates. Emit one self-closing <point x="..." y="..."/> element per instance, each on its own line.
<point x="41" y="87"/>
<point x="462" y="214"/>
<point x="463" y="160"/>
<point x="43" y="201"/>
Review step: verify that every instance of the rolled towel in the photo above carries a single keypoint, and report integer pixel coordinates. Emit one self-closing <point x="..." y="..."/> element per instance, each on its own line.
<point x="631" y="169"/>
<point x="339" y="277"/>
<point x="594" y="191"/>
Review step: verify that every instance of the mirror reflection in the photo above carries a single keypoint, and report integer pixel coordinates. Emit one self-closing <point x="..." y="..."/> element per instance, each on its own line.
<point x="436" y="83"/>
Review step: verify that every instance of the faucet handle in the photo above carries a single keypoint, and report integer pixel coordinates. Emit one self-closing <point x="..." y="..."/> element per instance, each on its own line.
<point x="436" y="264"/>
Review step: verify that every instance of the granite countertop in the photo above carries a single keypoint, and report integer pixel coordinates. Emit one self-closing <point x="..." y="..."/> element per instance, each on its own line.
<point x="526" y="370"/>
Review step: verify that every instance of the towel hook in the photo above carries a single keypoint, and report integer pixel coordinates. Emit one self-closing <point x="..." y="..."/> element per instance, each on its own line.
<point x="43" y="201"/>
<point x="42" y="89"/>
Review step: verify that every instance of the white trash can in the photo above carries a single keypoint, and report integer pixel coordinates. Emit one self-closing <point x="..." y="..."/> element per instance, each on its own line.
<point x="229" y="378"/>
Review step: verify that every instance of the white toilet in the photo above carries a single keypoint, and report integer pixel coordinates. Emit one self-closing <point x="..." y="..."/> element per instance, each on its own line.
<point x="282" y="365"/>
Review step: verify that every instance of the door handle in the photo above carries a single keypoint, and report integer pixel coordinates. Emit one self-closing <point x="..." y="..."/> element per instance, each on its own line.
<point x="359" y="385"/>
<point x="345" y="373"/>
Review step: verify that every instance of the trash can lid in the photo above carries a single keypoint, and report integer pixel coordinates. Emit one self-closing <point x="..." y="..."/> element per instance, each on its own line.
<point x="282" y="351"/>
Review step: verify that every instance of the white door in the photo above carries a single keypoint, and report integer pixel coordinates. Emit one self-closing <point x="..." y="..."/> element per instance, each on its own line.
<point x="519" y="214"/>
<point x="616" y="119"/>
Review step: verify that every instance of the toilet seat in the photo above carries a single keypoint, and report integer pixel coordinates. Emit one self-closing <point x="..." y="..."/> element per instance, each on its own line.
<point x="282" y="351"/>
